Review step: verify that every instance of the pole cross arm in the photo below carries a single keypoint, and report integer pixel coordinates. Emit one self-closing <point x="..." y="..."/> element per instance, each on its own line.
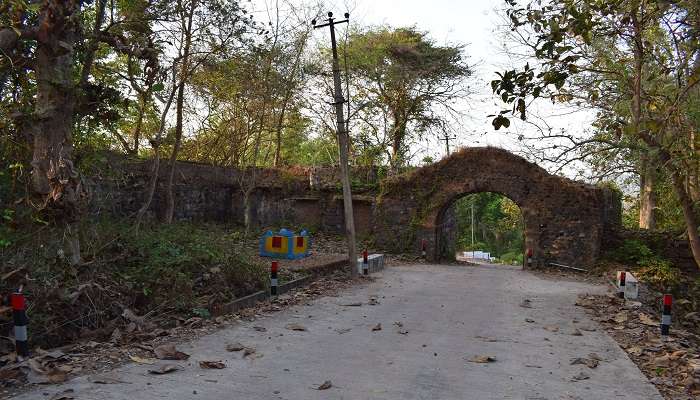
<point x="331" y="22"/>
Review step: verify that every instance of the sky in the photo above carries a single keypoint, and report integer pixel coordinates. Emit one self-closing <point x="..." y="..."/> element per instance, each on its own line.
<point x="474" y="23"/>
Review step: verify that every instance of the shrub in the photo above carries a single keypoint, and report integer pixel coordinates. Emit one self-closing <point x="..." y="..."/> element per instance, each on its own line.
<point x="659" y="272"/>
<point x="512" y="257"/>
<point x="631" y="251"/>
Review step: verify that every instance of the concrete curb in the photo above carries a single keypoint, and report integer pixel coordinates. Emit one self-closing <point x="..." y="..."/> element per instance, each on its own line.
<point x="252" y="299"/>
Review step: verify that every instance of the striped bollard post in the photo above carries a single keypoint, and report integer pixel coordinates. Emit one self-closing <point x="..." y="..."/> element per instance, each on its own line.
<point x="621" y="284"/>
<point x="273" y="278"/>
<point x="423" y="246"/>
<point x="365" y="263"/>
<point x="529" y="258"/>
<point x="666" y="315"/>
<point x="19" y="315"/>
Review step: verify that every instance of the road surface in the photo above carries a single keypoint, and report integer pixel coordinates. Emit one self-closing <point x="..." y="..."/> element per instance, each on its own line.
<point x="449" y="315"/>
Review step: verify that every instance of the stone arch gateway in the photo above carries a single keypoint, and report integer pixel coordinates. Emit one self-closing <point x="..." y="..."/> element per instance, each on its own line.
<point x="565" y="221"/>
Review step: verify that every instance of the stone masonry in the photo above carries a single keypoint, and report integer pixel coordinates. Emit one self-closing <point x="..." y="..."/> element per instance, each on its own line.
<point x="565" y="221"/>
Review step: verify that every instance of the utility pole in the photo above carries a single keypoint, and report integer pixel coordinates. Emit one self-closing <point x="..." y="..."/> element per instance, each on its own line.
<point x="472" y="224"/>
<point x="447" y="139"/>
<point x="342" y="144"/>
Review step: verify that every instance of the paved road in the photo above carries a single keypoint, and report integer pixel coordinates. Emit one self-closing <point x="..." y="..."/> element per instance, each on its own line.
<point x="451" y="313"/>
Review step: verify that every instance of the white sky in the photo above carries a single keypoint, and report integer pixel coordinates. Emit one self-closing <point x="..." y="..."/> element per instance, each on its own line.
<point x="474" y="23"/>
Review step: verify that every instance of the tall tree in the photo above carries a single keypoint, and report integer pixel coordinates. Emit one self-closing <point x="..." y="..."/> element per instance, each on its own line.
<point x="404" y="85"/>
<point x="42" y="37"/>
<point x="654" y="75"/>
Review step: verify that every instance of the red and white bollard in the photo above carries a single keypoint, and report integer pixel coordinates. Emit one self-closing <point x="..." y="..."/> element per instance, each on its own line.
<point x="529" y="258"/>
<point x="365" y="263"/>
<point x="621" y="283"/>
<point x="273" y="278"/>
<point x="423" y="247"/>
<point x="19" y="314"/>
<point x="666" y="315"/>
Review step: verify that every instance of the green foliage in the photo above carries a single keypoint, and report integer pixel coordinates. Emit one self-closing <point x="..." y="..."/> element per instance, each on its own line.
<point x="405" y="86"/>
<point x="168" y="262"/>
<point x="631" y="252"/>
<point x="512" y="258"/>
<point x="651" y="268"/>
<point x="633" y="62"/>
<point x="180" y="268"/>
<point x="498" y="226"/>
<point x="659" y="273"/>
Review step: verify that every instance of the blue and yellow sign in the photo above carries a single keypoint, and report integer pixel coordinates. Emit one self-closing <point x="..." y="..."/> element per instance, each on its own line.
<point x="285" y="244"/>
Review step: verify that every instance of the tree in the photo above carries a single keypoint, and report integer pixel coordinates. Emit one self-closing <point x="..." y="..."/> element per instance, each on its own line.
<point x="38" y="42"/>
<point x="252" y="103"/>
<point x="656" y="76"/>
<point x="404" y="85"/>
<point x="498" y="225"/>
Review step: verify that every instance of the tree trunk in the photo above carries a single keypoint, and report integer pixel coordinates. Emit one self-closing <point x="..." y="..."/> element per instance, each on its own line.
<point x="143" y="103"/>
<point x="688" y="215"/>
<point x="278" y="138"/>
<point x="155" y="143"/>
<point x="399" y="133"/>
<point x="169" y="198"/>
<point x="247" y="211"/>
<point x="647" y="194"/>
<point x="54" y="177"/>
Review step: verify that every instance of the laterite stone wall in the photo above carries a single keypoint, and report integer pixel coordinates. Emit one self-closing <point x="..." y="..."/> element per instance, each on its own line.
<point x="565" y="221"/>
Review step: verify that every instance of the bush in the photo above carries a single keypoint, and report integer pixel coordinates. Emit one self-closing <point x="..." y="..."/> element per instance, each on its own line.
<point x="173" y="262"/>
<point x="653" y="269"/>
<point x="180" y="269"/>
<point x="659" y="272"/>
<point x="512" y="257"/>
<point x="631" y="251"/>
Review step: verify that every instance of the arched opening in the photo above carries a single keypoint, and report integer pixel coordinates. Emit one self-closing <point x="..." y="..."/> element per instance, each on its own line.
<point x="484" y="227"/>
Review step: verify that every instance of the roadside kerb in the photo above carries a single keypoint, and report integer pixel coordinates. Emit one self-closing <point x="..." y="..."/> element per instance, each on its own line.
<point x="252" y="299"/>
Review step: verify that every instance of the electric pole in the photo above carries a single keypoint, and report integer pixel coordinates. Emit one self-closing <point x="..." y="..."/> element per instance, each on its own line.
<point x="472" y="224"/>
<point x="447" y="139"/>
<point x="342" y="144"/>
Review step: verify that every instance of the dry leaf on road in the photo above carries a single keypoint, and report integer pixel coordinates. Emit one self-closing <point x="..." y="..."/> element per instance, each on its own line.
<point x="296" y="327"/>
<point x="234" y="347"/>
<point x="589" y="362"/>
<point x="169" y="352"/>
<point x="325" y="385"/>
<point x="248" y="351"/>
<point x="620" y="317"/>
<point x="212" y="365"/>
<point x="647" y="320"/>
<point x="164" y="369"/>
<point x="482" y="359"/>
<point x="142" y="360"/>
